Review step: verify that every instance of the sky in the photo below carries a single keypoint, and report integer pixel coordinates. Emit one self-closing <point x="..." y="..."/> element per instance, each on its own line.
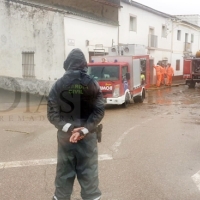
<point x="174" y="7"/>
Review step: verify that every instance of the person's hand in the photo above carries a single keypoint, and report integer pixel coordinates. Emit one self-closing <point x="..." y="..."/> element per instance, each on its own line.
<point x="75" y="137"/>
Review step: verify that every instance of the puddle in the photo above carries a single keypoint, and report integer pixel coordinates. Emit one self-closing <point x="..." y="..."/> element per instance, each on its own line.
<point x="181" y="95"/>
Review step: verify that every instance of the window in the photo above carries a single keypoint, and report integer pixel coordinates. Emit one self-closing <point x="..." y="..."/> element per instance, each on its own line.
<point x="28" y="65"/>
<point x="133" y="23"/>
<point x="153" y="41"/>
<point x="151" y="31"/>
<point x="179" y="35"/>
<point x="186" y="37"/>
<point x="103" y="73"/>
<point x="164" y="31"/>
<point x="177" y="65"/>
<point x="192" y="38"/>
<point x="143" y="65"/>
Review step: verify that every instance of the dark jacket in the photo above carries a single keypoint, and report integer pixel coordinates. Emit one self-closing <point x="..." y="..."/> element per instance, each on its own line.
<point x="75" y="98"/>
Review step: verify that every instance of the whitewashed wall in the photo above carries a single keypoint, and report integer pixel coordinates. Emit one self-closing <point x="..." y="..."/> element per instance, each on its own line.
<point x="79" y="30"/>
<point x="178" y="45"/>
<point x="26" y="28"/>
<point x="145" y="20"/>
<point x="168" y="47"/>
<point x="52" y="36"/>
<point x="194" y="19"/>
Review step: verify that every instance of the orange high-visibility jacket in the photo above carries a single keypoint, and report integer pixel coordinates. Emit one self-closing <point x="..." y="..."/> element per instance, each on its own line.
<point x="158" y="69"/>
<point x="163" y="70"/>
<point x="169" y="71"/>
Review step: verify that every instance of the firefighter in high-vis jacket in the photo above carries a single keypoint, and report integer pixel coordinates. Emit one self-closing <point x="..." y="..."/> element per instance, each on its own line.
<point x="158" y="74"/>
<point x="75" y="107"/>
<point x="170" y="73"/>
<point x="163" y="74"/>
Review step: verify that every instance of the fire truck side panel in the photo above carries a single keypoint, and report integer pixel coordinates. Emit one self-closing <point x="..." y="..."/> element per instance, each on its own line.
<point x="138" y="91"/>
<point x="136" y="73"/>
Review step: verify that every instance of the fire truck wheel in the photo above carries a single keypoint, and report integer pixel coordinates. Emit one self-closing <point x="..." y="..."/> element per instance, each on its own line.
<point x="127" y="101"/>
<point x="136" y="99"/>
<point x="139" y="99"/>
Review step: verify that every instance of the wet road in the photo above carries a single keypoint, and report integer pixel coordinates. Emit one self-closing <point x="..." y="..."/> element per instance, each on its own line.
<point x="150" y="151"/>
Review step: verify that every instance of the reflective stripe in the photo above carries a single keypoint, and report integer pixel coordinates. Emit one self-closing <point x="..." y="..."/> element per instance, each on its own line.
<point x="85" y="131"/>
<point x="55" y="198"/>
<point x="66" y="127"/>
<point x="98" y="198"/>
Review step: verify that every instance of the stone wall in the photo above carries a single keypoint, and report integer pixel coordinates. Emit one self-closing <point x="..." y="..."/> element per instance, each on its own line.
<point x="25" y="28"/>
<point x="31" y="86"/>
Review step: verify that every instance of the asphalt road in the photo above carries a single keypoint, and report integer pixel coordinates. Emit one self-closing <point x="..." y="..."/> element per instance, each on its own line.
<point x="149" y="151"/>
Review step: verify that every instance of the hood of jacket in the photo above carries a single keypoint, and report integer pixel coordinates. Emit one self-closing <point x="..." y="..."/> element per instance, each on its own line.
<point x="75" y="61"/>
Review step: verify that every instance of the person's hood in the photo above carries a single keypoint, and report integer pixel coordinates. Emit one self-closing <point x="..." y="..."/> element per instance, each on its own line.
<point x="75" y="61"/>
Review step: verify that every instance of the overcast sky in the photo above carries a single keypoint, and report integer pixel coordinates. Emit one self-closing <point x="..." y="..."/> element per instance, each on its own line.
<point x="174" y="7"/>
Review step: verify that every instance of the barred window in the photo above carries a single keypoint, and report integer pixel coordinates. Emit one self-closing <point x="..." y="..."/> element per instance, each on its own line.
<point x="28" y="65"/>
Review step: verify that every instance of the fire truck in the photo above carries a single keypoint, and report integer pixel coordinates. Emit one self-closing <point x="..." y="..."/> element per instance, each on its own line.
<point x="119" y="76"/>
<point x="191" y="70"/>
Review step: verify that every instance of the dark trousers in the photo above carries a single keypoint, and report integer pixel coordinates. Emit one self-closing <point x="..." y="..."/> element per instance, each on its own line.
<point x="81" y="160"/>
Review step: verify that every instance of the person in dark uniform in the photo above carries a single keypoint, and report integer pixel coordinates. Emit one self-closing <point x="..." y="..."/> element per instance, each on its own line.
<point x="75" y="107"/>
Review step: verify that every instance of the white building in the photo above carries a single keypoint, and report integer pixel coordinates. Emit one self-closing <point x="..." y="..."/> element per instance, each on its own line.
<point x="193" y="19"/>
<point x="35" y="38"/>
<point x="185" y="43"/>
<point x="165" y="36"/>
<point x="92" y="37"/>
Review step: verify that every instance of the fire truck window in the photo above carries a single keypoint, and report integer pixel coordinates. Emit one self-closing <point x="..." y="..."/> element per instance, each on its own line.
<point x="143" y="65"/>
<point x="124" y="70"/>
<point x="104" y="72"/>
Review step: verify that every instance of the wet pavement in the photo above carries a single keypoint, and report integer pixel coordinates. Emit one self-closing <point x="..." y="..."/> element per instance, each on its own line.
<point x="153" y="148"/>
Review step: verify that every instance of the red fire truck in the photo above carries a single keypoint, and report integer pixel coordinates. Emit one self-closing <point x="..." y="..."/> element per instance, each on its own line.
<point x="119" y="76"/>
<point x="191" y="70"/>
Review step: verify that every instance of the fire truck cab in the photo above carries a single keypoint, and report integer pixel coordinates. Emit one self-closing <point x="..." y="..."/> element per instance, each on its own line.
<point x="191" y="70"/>
<point x="119" y="77"/>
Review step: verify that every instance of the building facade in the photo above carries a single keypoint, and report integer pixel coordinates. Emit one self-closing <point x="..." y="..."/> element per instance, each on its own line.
<point x="36" y="36"/>
<point x="167" y="38"/>
<point x="185" y="43"/>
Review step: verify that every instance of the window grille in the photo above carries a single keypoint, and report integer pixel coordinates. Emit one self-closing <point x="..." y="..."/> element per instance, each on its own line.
<point x="28" y="65"/>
